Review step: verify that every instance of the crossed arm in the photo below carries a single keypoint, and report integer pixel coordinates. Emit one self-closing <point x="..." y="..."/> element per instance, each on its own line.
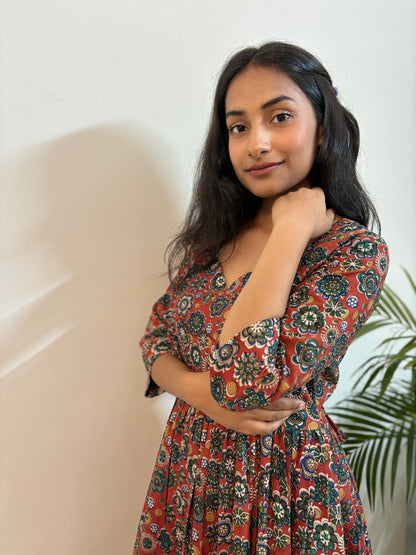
<point x="194" y="388"/>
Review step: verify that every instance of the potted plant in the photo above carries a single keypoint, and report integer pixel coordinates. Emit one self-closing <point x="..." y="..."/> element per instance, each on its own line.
<point x="379" y="417"/>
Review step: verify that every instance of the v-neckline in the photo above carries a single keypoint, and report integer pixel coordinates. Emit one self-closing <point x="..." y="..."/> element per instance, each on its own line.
<point x="239" y="279"/>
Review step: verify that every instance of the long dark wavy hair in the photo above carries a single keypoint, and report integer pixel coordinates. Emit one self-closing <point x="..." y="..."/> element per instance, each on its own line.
<point x="220" y="205"/>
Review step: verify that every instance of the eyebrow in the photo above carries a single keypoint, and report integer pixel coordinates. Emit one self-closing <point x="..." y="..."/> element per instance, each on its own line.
<point x="263" y="107"/>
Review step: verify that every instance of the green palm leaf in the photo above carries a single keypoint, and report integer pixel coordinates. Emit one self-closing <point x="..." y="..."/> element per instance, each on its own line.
<point x="377" y="433"/>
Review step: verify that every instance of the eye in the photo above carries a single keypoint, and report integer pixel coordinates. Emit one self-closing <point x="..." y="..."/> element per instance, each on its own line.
<point x="282" y="117"/>
<point x="237" y="129"/>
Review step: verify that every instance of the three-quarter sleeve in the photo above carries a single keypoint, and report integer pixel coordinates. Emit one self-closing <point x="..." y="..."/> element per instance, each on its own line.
<point x="159" y="337"/>
<point x="329" y="303"/>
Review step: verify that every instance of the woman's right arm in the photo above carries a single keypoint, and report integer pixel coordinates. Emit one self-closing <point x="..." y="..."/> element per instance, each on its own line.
<point x="173" y="376"/>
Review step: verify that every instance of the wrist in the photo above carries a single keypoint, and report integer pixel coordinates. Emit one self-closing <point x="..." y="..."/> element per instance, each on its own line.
<point x="199" y="387"/>
<point x="295" y="231"/>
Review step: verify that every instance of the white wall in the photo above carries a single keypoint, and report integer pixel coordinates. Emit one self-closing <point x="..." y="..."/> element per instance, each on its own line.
<point x="103" y="109"/>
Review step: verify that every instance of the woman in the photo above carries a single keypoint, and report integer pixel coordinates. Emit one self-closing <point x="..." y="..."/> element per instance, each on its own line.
<point x="278" y="272"/>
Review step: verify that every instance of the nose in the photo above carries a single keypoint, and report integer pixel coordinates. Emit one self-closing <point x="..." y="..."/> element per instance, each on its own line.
<point x="259" y="142"/>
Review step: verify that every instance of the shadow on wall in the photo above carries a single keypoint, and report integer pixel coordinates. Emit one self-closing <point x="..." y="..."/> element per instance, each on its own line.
<point x="86" y="220"/>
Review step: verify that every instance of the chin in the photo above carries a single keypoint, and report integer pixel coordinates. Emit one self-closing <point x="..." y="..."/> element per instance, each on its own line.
<point x="270" y="192"/>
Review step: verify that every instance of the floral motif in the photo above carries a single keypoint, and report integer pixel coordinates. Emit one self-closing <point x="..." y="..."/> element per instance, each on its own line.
<point x="218" y="389"/>
<point x="335" y="309"/>
<point x="306" y="354"/>
<point x="312" y="257"/>
<point x="325" y="492"/>
<point x="320" y="453"/>
<point x="240" y="490"/>
<point x="339" y="345"/>
<point x="329" y="335"/>
<point x="382" y="263"/>
<point x="224" y="357"/>
<point x="217" y="282"/>
<point x="183" y="334"/>
<point x="196" y="322"/>
<point x="226" y="496"/>
<point x="257" y="334"/>
<point x="332" y="287"/>
<point x="165" y="541"/>
<point x="352" y="265"/>
<point x="225" y="527"/>
<point x="180" y="502"/>
<point x="306" y="505"/>
<point x="159" y="481"/>
<point x="184" y="304"/>
<point x="364" y="248"/>
<point x="308" y="319"/>
<point x="217" y="440"/>
<point x="280" y="510"/>
<point x="308" y="465"/>
<point x="358" y="529"/>
<point x="281" y="540"/>
<point x="240" y="517"/>
<point x="368" y="283"/>
<point x="247" y="368"/>
<point x="241" y="546"/>
<point x="304" y="539"/>
<point x="272" y="351"/>
<point x="325" y="537"/>
<point x="218" y="306"/>
<point x="200" y="282"/>
<point x="148" y="543"/>
<point x="299" y="296"/>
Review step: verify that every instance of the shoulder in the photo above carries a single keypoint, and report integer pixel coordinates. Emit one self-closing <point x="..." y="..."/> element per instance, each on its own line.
<point x="193" y="263"/>
<point x="346" y="240"/>
<point x="349" y="236"/>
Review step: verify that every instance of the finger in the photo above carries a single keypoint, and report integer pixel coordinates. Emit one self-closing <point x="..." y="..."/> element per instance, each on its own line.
<point x="270" y="415"/>
<point x="270" y="427"/>
<point x="259" y="427"/>
<point x="286" y="403"/>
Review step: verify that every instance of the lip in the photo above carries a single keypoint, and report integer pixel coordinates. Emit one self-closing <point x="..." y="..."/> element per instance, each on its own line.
<point x="263" y="169"/>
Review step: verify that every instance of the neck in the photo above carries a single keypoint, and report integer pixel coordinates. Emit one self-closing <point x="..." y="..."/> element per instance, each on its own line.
<point x="263" y="216"/>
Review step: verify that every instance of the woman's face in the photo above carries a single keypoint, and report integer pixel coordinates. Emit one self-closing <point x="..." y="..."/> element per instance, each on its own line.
<point x="272" y="131"/>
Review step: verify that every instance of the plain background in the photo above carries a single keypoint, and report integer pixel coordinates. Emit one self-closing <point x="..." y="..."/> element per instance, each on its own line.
<point x="103" y="111"/>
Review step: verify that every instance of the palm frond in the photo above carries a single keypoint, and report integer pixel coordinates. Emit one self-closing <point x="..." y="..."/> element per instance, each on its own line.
<point x="377" y="433"/>
<point x="409" y="277"/>
<point x="392" y="306"/>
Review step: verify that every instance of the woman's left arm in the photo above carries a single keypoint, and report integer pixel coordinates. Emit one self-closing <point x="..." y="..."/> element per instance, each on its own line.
<point x="298" y="217"/>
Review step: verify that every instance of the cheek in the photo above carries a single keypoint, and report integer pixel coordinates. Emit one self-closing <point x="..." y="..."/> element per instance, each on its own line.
<point x="235" y="155"/>
<point x="301" y="140"/>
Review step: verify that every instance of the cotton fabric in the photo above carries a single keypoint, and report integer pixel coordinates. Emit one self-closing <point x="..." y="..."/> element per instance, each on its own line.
<point x="217" y="491"/>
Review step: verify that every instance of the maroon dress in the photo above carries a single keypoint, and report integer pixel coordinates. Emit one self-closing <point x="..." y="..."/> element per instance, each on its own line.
<point x="217" y="491"/>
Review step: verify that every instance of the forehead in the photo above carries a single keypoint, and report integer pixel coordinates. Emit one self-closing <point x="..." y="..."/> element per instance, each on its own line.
<point x="259" y="85"/>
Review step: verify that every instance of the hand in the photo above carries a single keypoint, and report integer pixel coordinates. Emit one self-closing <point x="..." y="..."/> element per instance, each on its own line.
<point x="259" y="421"/>
<point x="303" y="210"/>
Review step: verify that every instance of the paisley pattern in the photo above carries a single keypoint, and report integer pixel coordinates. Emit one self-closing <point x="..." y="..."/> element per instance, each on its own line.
<point x="217" y="491"/>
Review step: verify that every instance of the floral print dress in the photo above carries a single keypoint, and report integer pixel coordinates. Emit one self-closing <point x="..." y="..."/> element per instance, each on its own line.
<point x="217" y="491"/>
